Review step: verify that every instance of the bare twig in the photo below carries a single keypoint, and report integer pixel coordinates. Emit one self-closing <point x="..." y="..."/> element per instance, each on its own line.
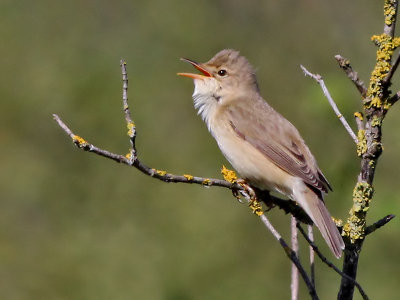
<point x="394" y="98"/>
<point x="330" y="264"/>
<point x="378" y="224"/>
<point x="294" y="287"/>
<point x="129" y="123"/>
<point x="321" y="82"/>
<point x="352" y="75"/>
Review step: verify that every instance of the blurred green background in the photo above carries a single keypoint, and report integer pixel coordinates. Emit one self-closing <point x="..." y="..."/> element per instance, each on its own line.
<point x="77" y="226"/>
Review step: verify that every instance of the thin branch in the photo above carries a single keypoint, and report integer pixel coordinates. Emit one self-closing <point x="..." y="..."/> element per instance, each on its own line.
<point x="352" y="75"/>
<point x="394" y="98"/>
<point x="294" y="286"/>
<point x="321" y="82"/>
<point x="330" y="264"/>
<point x="378" y="224"/>
<point x="161" y="175"/>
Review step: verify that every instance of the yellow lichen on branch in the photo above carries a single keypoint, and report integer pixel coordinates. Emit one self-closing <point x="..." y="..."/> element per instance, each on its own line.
<point x="386" y="45"/>
<point x="188" y="177"/>
<point x="228" y="175"/>
<point x="362" y="143"/>
<point x="206" y="182"/>
<point x="81" y="142"/>
<point x="131" y="129"/>
<point x="359" y="115"/>
<point x="389" y="12"/>
<point x="354" y="228"/>
<point x="159" y="172"/>
<point x="256" y="207"/>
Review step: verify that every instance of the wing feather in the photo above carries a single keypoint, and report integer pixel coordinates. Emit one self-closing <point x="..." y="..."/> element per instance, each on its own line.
<point x="278" y="140"/>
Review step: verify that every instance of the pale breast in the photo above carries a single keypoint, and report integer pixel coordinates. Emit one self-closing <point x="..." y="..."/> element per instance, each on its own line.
<point x="249" y="162"/>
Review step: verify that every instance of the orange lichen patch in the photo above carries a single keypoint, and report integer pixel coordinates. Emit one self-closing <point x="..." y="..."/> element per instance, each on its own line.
<point x="256" y="207"/>
<point x="188" y="177"/>
<point x="131" y="129"/>
<point x="81" y="142"/>
<point x="386" y="45"/>
<point x="389" y="11"/>
<point x="358" y="115"/>
<point x="362" y="143"/>
<point x="206" y="181"/>
<point x="362" y="195"/>
<point x="228" y="175"/>
<point x="161" y="172"/>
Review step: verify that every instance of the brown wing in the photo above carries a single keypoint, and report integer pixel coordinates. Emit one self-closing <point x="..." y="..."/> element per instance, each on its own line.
<point x="277" y="139"/>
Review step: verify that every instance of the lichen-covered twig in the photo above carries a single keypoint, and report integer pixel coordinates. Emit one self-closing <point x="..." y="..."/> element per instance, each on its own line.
<point x="126" y="159"/>
<point x="353" y="75"/>
<point x="129" y="123"/>
<point x="375" y="106"/>
<point x="342" y="119"/>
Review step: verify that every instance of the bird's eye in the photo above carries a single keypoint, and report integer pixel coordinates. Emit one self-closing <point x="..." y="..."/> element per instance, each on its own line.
<point x="222" y="72"/>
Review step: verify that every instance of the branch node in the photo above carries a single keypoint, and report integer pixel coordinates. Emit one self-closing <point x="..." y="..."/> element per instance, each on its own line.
<point x="378" y="224"/>
<point x="344" y="64"/>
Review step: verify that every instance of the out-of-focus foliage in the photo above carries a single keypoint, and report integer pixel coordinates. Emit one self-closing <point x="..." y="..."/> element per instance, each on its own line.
<point x="77" y="226"/>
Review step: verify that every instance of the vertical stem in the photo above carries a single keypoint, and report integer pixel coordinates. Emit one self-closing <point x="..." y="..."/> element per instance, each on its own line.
<point x="369" y="148"/>
<point x="294" y="286"/>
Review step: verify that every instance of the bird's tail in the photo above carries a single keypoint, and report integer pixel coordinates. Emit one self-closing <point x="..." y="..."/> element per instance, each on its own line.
<point x="315" y="208"/>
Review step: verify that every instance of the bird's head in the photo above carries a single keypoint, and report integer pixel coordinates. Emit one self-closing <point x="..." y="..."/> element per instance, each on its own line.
<point x="226" y="76"/>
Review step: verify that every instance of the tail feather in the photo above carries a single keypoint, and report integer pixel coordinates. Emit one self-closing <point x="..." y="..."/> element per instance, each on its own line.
<point x="315" y="208"/>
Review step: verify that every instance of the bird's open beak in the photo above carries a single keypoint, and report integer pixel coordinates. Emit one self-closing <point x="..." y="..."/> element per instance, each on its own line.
<point x="198" y="67"/>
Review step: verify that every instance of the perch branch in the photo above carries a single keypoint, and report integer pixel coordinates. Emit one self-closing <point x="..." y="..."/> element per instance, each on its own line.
<point x="352" y="75"/>
<point x="321" y="82"/>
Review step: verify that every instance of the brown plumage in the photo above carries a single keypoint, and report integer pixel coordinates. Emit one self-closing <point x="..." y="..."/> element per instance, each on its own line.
<point x="264" y="147"/>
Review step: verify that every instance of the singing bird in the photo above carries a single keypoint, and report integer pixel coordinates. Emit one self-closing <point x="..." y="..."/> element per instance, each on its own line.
<point x="264" y="147"/>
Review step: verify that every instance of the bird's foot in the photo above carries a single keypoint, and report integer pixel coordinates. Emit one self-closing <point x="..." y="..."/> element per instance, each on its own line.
<point x="249" y="193"/>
